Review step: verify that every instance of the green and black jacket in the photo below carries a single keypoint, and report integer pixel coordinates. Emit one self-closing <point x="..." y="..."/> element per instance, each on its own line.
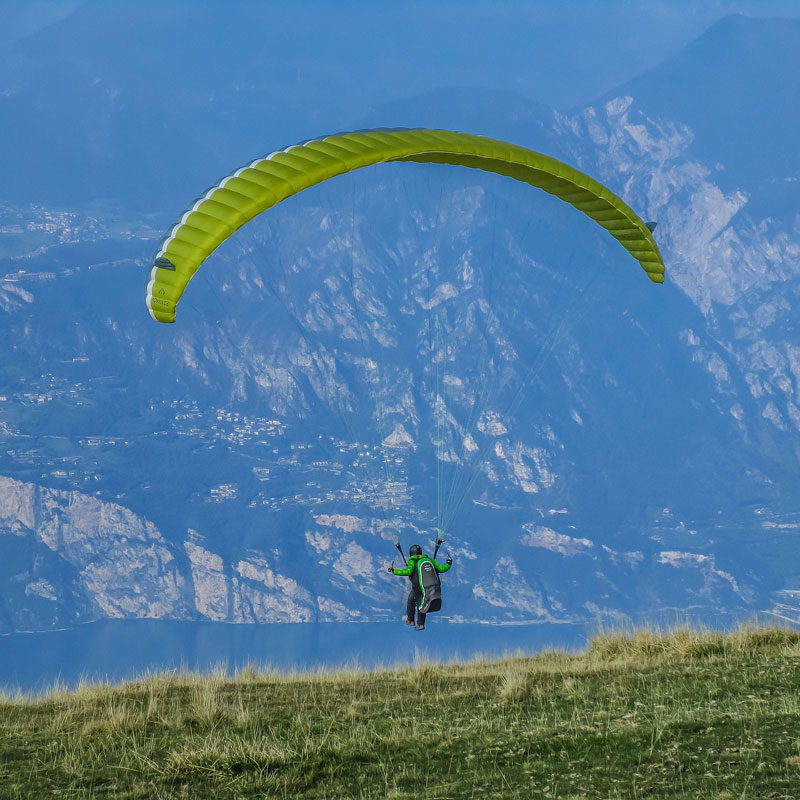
<point x="412" y="569"/>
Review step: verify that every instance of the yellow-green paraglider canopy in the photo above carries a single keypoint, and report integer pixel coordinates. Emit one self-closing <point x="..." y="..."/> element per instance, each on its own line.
<point x="267" y="181"/>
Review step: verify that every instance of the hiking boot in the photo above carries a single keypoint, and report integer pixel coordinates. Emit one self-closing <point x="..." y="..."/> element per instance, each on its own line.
<point x="419" y="628"/>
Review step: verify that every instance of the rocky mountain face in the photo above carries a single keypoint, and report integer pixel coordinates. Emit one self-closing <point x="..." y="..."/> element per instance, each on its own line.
<point x="412" y="348"/>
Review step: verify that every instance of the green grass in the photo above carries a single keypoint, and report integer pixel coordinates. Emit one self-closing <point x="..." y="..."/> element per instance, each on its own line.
<point x="645" y="715"/>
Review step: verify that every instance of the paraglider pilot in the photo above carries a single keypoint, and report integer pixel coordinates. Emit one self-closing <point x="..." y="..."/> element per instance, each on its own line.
<point x="426" y="592"/>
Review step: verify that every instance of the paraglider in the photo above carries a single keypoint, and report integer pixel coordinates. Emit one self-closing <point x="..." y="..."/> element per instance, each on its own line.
<point x="426" y="587"/>
<point x="267" y="181"/>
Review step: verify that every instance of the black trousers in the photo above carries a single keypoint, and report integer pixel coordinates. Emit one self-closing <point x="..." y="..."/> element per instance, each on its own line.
<point x="414" y="596"/>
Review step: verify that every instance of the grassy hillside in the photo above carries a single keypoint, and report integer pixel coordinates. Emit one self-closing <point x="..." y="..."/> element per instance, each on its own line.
<point x="684" y="714"/>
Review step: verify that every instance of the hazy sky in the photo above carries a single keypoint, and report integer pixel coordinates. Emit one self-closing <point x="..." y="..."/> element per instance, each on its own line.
<point x="202" y="85"/>
<point x="561" y="52"/>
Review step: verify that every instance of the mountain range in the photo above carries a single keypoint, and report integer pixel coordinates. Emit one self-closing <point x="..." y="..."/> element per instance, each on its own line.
<point x="402" y="348"/>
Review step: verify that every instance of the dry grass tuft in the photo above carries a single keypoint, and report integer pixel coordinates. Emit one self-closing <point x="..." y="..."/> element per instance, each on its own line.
<point x="426" y="678"/>
<point x="227" y="756"/>
<point x="513" y="683"/>
<point x="686" y="642"/>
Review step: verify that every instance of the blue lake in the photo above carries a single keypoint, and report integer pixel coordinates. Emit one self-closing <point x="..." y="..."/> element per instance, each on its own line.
<point x="117" y="650"/>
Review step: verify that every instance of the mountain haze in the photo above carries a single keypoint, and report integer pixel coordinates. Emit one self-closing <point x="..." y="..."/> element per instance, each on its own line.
<point x="636" y="448"/>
